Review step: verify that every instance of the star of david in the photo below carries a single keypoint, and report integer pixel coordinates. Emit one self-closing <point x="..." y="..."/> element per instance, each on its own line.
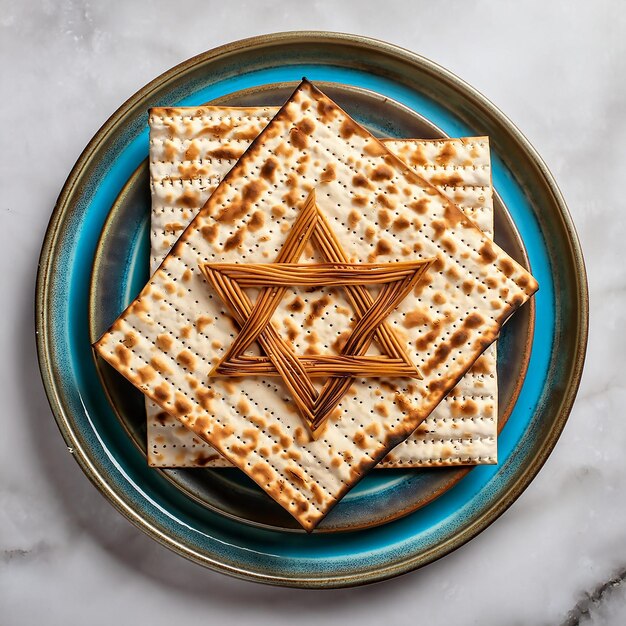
<point x="279" y="359"/>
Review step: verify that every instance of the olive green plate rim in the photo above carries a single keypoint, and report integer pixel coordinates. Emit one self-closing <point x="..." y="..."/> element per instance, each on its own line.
<point x="580" y="329"/>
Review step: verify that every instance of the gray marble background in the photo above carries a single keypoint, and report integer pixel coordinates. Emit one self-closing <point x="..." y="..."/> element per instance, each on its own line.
<point x="558" y="556"/>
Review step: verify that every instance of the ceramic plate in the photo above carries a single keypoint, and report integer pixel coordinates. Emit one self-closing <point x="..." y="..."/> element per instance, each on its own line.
<point x="95" y="259"/>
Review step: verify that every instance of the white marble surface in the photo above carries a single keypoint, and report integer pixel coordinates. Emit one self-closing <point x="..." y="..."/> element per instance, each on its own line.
<point x="557" y="556"/>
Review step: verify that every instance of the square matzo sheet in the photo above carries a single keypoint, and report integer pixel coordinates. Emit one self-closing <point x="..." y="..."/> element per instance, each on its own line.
<point x="168" y="339"/>
<point x="193" y="148"/>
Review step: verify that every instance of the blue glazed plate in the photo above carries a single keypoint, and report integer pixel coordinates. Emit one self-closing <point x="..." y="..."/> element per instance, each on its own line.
<point x="102" y="186"/>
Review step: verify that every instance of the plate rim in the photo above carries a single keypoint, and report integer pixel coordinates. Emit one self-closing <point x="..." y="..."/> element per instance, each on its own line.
<point x="44" y="340"/>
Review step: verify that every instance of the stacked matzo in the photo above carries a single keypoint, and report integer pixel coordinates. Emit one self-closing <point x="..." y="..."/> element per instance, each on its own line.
<point x="193" y="148"/>
<point x="168" y="339"/>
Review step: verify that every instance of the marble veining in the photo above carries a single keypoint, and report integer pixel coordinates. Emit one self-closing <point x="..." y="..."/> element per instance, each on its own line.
<point x="603" y="603"/>
<point x="558" y="556"/>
